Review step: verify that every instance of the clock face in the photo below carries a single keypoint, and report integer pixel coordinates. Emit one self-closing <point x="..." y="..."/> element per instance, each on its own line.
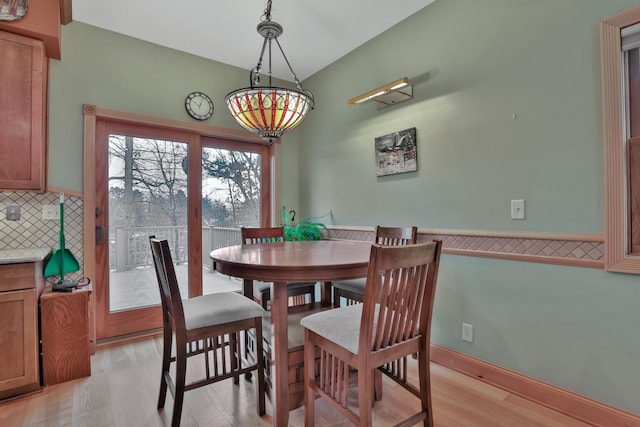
<point x="199" y="106"/>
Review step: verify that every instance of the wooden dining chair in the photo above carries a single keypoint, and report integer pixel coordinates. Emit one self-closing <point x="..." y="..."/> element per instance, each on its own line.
<point x="353" y="290"/>
<point x="207" y="328"/>
<point x="393" y="322"/>
<point x="297" y="292"/>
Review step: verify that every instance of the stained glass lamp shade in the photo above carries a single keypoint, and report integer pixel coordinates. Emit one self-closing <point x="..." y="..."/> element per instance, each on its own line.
<point x="269" y="111"/>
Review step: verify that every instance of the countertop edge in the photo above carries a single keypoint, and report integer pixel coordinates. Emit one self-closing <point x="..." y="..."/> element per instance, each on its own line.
<point x="16" y="256"/>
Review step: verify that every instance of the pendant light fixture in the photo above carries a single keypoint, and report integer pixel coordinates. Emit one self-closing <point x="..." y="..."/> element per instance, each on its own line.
<point x="269" y="111"/>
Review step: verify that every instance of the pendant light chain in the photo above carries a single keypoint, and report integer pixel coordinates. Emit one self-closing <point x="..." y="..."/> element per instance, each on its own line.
<point x="269" y="111"/>
<point x="266" y="15"/>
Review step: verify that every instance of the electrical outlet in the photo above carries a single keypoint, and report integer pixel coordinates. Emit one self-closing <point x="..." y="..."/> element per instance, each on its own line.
<point x="467" y="332"/>
<point x="51" y="212"/>
<point x="12" y="213"/>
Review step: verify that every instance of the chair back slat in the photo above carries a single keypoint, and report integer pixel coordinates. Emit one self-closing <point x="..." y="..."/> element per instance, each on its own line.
<point x="399" y="294"/>
<point x="297" y="292"/>
<point x="252" y="236"/>
<point x="405" y="325"/>
<point x="396" y="236"/>
<point x="168" y="283"/>
<point x="414" y="299"/>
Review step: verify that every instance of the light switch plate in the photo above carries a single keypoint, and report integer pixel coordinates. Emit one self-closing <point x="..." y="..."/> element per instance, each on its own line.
<point x="517" y="209"/>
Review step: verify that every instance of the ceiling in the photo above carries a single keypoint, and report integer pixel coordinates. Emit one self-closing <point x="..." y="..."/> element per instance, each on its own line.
<point x="316" y="32"/>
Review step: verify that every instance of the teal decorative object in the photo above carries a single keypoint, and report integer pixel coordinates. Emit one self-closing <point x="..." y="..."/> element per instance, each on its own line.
<point x="61" y="260"/>
<point x="304" y="230"/>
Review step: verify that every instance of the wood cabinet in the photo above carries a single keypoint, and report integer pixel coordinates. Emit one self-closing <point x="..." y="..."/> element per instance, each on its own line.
<point x="23" y="101"/>
<point x="64" y="327"/>
<point x="19" y="367"/>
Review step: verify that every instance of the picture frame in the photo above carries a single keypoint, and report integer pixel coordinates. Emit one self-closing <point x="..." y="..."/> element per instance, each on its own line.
<point x="396" y="152"/>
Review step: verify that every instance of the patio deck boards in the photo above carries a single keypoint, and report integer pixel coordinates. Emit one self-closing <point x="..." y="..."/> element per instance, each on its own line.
<point x="138" y="287"/>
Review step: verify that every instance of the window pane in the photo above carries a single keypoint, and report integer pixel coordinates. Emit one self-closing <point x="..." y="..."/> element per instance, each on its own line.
<point x="231" y="198"/>
<point x="147" y="196"/>
<point x="633" y="152"/>
<point x="633" y="58"/>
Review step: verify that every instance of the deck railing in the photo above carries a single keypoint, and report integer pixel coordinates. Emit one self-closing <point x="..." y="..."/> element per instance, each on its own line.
<point x="129" y="246"/>
<point x="217" y="237"/>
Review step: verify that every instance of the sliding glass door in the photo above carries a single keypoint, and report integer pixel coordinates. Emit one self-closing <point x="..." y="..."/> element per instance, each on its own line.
<point x="193" y="191"/>
<point x="235" y="178"/>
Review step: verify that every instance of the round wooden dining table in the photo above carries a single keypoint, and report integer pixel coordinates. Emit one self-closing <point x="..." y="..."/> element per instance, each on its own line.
<point x="281" y="263"/>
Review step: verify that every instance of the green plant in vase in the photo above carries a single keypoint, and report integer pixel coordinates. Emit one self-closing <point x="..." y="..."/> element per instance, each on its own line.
<point x="303" y="230"/>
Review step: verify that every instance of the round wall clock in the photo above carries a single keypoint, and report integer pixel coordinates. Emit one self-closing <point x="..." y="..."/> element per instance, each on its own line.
<point x="199" y="106"/>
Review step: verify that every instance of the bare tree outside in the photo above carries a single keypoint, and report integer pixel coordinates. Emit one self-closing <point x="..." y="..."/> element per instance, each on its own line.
<point x="148" y="195"/>
<point x="232" y="179"/>
<point x="147" y="184"/>
<point x="152" y="183"/>
<point x="148" y="188"/>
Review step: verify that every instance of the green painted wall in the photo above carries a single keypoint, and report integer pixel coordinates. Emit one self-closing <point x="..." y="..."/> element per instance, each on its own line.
<point x="118" y="72"/>
<point x="474" y="64"/>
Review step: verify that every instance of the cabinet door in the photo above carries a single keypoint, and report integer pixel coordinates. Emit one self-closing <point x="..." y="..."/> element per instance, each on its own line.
<point x="64" y="319"/>
<point x="23" y="77"/>
<point x="18" y="343"/>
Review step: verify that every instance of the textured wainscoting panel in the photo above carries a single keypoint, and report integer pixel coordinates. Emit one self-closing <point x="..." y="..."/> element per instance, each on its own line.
<point x="348" y="234"/>
<point x="31" y="231"/>
<point x="588" y="253"/>
<point x="523" y="246"/>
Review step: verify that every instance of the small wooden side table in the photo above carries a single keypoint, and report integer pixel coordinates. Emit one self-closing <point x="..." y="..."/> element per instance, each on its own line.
<point x="64" y="331"/>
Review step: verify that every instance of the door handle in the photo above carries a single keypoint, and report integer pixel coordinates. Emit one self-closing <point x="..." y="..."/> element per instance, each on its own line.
<point x="101" y="232"/>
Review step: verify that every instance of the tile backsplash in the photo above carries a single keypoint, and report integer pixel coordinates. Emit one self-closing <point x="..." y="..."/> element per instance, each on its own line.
<point x="32" y="231"/>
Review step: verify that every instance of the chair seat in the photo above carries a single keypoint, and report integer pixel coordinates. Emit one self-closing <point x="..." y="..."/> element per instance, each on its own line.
<point x="340" y="325"/>
<point x="217" y="309"/>
<point x="353" y="285"/>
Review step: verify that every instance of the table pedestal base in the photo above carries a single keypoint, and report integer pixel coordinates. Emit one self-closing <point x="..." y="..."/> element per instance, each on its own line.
<point x="296" y="352"/>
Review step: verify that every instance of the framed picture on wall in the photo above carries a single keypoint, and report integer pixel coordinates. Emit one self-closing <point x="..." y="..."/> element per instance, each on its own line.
<point x="11" y="10"/>
<point x="396" y="153"/>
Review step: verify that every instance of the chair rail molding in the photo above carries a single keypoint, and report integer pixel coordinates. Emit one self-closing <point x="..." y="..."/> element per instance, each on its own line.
<point x="577" y="250"/>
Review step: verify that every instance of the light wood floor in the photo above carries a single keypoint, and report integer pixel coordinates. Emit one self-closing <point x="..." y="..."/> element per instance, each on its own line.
<point x="123" y="387"/>
<point x="138" y="287"/>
